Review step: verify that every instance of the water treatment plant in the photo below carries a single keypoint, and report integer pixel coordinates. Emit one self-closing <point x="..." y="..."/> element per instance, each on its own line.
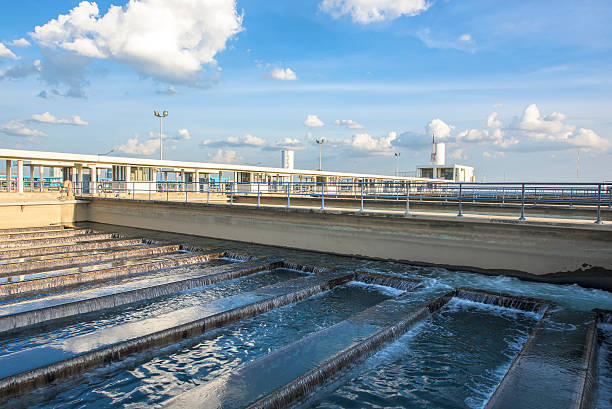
<point x="298" y="289"/>
<point x="324" y="204"/>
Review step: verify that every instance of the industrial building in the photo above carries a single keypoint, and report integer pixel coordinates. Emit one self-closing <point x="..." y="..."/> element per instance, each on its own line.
<point x="438" y="169"/>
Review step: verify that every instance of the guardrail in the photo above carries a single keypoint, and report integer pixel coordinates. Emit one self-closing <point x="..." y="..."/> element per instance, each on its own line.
<point x="562" y="194"/>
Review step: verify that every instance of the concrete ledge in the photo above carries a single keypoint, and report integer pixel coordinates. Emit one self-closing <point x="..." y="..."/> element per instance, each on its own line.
<point x="580" y="252"/>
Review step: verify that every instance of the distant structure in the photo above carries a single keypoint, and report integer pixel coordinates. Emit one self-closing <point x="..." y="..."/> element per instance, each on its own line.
<point x="287" y="160"/>
<point x="438" y="169"/>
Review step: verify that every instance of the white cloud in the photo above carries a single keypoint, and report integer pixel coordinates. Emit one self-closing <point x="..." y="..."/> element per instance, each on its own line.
<point x="282" y="74"/>
<point x="237" y="141"/>
<point x="497" y="105"/>
<point x="184" y="134"/>
<point x="364" y="142"/>
<point x="348" y="123"/>
<point x="166" y="39"/>
<point x="222" y="156"/>
<point x="440" y="129"/>
<point x="313" y="121"/>
<point x="287" y="143"/>
<point x="47" y="118"/>
<point x="134" y="147"/>
<point x="458" y="154"/>
<point x="370" y="11"/>
<point x="6" y="53"/>
<point x="493" y="122"/>
<point x="22" y="42"/>
<point x="17" y="128"/>
<point x="167" y="91"/>
<point x="465" y="42"/>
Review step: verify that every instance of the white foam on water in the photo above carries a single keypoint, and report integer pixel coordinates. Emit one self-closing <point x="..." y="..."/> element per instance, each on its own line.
<point x="459" y="304"/>
<point x="393" y="292"/>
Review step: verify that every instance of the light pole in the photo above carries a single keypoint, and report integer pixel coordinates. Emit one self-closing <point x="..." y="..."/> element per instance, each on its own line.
<point x="397" y="156"/>
<point x="320" y="142"/>
<point x="161" y="117"/>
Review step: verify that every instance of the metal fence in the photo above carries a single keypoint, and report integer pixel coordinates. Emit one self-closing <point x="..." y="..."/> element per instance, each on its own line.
<point x="570" y="195"/>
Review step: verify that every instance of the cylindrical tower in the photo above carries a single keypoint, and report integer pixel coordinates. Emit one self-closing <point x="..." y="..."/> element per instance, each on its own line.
<point x="287" y="159"/>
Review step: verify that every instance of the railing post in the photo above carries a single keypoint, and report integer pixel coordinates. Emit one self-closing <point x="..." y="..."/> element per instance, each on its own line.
<point x="289" y="195"/>
<point x="460" y="214"/>
<point x="610" y="198"/>
<point x="473" y="194"/>
<point x="522" y="202"/>
<point x="503" y="195"/>
<point x="258" y="195"/>
<point x="208" y="192"/>
<point x="408" y="199"/>
<point x="150" y="191"/>
<point x="185" y="189"/>
<point x="598" y="221"/>
<point x="535" y="196"/>
<point x="167" y="194"/>
<point x="322" y="195"/>
<point x="133" y="191"/>
<point x="571" y="197"/>
<point x="231" y="193"/>
<point x="361" y="208"/>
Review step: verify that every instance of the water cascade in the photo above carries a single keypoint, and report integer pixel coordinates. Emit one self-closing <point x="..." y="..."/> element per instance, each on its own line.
<point x="55" y="241"/>
<point x="221" y="273"/>
<point x="101" y="275"/>
<point x="93" y="245"/>
<point x="33" y="379"/>
<point x="7" y="269"/>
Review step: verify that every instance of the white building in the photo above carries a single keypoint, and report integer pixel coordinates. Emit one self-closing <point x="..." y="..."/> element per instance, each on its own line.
<point x="437" y="169"/>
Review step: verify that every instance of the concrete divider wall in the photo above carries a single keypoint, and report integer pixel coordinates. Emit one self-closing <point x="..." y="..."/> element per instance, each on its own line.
<point x="41" y="213"/>
<point x="483" y="245"/>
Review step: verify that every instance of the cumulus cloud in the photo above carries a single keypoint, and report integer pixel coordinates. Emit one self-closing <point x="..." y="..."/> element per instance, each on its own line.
<point x="366" y="143"/>
<point x="17" y="128"/>
<point x="21" y="42"/>
<point x="6" y="53"/>
<point x="245" y="140"/>
<point x="466" y="38"/>
<point x="47" y="118"/>
<point x="312" y="121"/>
<point x="134" y="147"/>
<point x="22" y="70"/>
<point x="458" y="154"/>
<point x="169" y="40"/>
<point x="280" y="74"/>
<point x="184" y="134"/>
<point x="371" y="11"/>
<point x="440" y="129"/>
<point x="223" y="156"/>
<point x="349" y="123"/>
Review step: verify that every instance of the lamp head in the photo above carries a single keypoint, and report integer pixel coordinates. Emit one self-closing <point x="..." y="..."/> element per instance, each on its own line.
<point x="156" y="113"/>
<point x="165" y="114"/>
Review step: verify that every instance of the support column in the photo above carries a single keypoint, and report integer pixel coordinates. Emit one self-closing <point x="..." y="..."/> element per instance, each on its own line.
<point x="20" y="176"/>
<point x="9" y="176"/>
<point x="80" y="180"/>
<point x="40" y="182"/>
<point x="93" y="178"/>
<point x="197" y="181"/>
<point x="31" y="178"/>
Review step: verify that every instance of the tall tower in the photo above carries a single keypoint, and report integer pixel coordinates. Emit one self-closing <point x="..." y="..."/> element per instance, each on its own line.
<point x="438" y="150"/>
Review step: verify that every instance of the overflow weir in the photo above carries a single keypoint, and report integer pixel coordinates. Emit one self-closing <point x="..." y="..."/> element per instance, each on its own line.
<point x="253" y="329"/>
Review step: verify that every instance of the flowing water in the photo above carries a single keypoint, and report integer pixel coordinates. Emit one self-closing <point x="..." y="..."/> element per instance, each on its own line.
<point x="174" y="371"/>
<point x="454" y="358"/>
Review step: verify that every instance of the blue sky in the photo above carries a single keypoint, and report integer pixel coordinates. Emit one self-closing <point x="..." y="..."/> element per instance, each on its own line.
<point x="515" y="89"/>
